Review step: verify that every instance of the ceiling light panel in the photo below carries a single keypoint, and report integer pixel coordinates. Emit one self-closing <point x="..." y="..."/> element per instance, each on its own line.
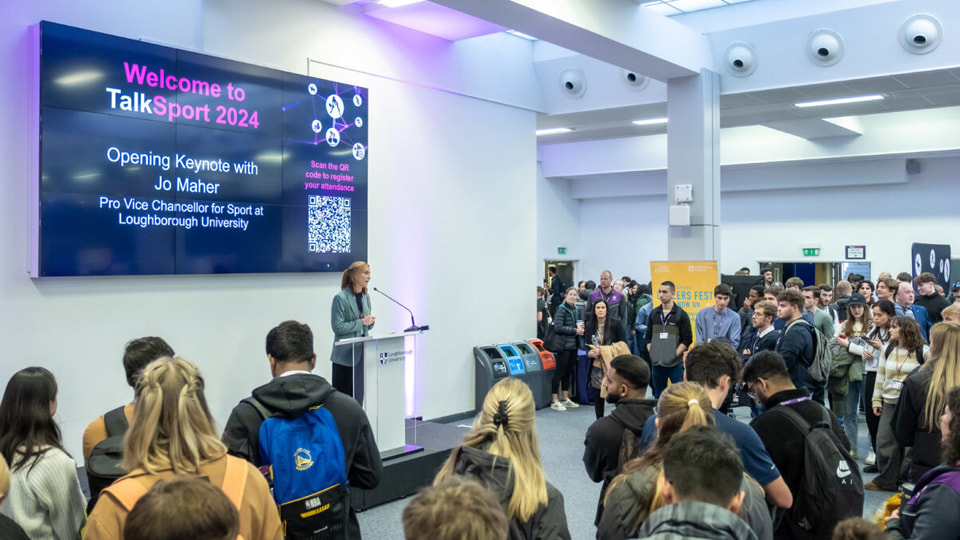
<point x="651" y="121"/>
<point x="553" y="131"/>
<point x="696" y="5"/>
<point x="838" y="101"/>
<point x="676" y="7"/>
<point x="662" y="8"/>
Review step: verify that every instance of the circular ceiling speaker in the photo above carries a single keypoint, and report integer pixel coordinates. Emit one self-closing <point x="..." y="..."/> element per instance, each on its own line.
<point x="740" y="59"/>
<point x="921" y="33"/>
<point x="825" y="47"/>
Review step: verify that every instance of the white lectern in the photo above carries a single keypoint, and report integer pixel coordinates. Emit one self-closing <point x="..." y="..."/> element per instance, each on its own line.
<point x="383" y="383"/>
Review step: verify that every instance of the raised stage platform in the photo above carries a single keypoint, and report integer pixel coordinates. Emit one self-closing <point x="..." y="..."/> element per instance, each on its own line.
<point x="405" y="474"/>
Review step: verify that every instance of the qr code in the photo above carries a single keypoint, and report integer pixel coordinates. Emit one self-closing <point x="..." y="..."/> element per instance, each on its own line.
<point x="328" y="224"/>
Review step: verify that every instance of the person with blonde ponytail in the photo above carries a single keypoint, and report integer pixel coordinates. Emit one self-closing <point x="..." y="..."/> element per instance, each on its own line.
<point x="501" y="452"/>
<point x="635" y="493"/>
<point x="916" y="420"/>
<point x="172" y="434"/>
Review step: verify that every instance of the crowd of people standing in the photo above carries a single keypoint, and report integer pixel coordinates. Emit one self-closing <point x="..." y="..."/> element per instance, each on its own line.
<point x="672" y="462"/>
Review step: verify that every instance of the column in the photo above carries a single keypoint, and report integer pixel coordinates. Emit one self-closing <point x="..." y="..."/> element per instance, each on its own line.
<point x="693" y="157"/>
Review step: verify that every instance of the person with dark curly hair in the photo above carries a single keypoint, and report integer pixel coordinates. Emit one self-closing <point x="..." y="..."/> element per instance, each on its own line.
<point x="932" y="510"/>
<point x="905" y="353"/>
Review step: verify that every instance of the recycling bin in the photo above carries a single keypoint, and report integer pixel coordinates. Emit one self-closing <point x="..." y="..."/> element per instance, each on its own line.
<point x="538" y="379"/>
<point x="547" y="359"/>
<point x="491" y="367"/>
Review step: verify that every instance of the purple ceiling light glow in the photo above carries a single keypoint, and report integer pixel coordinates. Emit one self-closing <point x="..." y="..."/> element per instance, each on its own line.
<point x="435" y="20"/>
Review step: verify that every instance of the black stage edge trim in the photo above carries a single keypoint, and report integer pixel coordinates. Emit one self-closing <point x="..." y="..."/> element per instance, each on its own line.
<point x="454" y="417"/>
<point x="403" y="475"/>
<point x="405" y="450"/>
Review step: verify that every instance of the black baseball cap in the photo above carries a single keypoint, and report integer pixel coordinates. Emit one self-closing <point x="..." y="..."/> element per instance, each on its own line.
<point x="856" y="299"/>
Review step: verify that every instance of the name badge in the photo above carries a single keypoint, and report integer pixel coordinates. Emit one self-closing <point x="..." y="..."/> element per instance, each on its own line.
<point x="663" y="335"/>
<point x="896" y="385"/>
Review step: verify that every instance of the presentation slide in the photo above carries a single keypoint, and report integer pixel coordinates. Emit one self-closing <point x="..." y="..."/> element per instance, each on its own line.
<point x="155" y="160"/>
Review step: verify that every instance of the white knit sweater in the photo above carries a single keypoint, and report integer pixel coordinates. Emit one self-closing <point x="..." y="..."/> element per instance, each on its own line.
<point x="47" y="501"/>
<point x="891" y="371"/>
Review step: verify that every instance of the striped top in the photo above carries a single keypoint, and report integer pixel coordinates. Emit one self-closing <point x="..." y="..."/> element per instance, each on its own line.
<point x="891" y="371"/>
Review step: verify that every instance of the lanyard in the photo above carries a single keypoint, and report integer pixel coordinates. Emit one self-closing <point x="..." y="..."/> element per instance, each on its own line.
<point x="606" y="299"/>
<point x="898" y="362"/>
<point x="717" y="323"/>
<point x="665" y="317"/>
<point x="792" y="401"/>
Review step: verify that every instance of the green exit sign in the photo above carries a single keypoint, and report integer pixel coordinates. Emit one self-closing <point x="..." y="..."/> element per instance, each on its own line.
<point x="811" y="252"/>
<point x="561" y="251"/>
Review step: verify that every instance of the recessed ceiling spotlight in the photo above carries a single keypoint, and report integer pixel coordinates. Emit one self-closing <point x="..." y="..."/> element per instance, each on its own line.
<point x="839" y="101"/>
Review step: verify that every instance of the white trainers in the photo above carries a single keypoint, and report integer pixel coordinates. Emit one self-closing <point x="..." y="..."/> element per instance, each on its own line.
<point x="871" y="459"/>
<point x="569" y="404"/>
<point x="558" y="406"/>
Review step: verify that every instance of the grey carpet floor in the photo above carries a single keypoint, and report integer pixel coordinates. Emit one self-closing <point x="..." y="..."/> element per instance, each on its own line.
<point x="561" y="448"/>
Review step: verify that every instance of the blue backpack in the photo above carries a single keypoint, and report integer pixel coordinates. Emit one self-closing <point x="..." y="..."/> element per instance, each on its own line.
<point x="307" y="473"/>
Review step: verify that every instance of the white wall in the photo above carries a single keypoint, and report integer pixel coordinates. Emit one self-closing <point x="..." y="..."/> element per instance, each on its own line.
<point x="886" y="218"/>
<point x="558" y="220"/>
<point x="622" y="235"/>
<point x="441" y="227"/>
<point x="867" y="205"/>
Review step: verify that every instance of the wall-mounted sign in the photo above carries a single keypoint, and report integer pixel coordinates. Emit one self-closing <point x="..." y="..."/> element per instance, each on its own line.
<point x="856" y="252"/>
<point x="811" y="252"/>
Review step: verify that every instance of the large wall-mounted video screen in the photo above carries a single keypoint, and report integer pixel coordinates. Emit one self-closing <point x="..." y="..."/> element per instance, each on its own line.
<point x="154" y="160"/>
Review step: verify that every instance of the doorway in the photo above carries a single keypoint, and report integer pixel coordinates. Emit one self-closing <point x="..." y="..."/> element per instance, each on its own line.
<point x="565" y="272"/>
<point x="816" y="273"/>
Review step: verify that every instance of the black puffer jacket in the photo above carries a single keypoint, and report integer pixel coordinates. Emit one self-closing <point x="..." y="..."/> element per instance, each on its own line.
<point x="547" y="523"/>
<point x="628" y="505"/>
<point x="910" y="428"/>
<point x="565" y="325"/>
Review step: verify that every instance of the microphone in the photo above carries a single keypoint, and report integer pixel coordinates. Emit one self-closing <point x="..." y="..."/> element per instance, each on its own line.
<point x="413" y="324"/>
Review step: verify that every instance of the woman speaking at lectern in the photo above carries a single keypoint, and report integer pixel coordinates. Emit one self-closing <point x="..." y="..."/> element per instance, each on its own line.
<point x="350" y="317"/>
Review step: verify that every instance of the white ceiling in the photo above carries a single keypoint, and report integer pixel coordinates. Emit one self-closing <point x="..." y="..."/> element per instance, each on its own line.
<point x="773" y="108"/>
